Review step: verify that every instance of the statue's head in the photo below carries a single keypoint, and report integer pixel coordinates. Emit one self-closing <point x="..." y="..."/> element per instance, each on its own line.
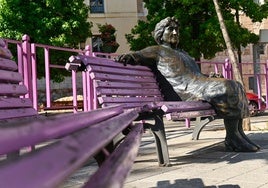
<point x="167" y="31"/>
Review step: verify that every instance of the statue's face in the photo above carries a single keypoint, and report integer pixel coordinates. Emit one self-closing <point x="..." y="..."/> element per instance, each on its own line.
<point x="171" y="34"/>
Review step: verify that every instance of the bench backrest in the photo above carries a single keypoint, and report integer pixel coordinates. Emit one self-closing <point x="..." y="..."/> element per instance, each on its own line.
<point x="12" y="103"/>
<point x="130" y="86"/>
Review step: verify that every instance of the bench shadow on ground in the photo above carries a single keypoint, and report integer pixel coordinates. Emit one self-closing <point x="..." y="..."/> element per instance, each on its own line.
<point x="213" y="153"/>
<point x="190" y="183"/>
<point x="217" y="153"/>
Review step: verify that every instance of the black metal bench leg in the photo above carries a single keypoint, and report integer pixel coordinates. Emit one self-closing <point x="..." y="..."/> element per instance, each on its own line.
<point x="158" y="131"/>
<point x="199" y="126"/>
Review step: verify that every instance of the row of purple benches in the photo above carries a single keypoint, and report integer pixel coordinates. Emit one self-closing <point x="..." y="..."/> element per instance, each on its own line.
<point x="135" y="87"/>
<point x="43" y="151"/>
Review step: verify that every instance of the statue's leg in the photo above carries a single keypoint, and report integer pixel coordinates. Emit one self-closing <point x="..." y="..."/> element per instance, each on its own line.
<point x="235" y="139"/>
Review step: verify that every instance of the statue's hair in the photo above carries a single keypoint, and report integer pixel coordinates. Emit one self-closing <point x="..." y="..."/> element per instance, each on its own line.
<point x="160" y="27"/>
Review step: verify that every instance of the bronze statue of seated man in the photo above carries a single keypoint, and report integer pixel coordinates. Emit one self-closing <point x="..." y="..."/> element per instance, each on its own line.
<point x="180" y="78"/>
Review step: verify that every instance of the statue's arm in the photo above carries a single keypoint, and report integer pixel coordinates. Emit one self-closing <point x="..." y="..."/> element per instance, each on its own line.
<point x="147" y="57"/>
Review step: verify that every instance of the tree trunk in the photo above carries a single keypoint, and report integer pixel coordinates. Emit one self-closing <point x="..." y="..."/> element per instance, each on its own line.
<point x="231" y="53"/>
<point x="233" y="58"/>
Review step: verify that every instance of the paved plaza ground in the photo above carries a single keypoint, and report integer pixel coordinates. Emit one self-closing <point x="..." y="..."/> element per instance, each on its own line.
<point x="196" y="163"/>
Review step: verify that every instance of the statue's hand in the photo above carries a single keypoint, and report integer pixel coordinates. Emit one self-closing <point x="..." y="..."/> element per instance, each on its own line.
<point x="126" y="59"/>
<point x="215" y="75"/>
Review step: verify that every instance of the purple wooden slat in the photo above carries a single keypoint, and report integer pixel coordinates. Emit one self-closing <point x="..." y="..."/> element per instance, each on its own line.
<point x="13" y="89"/>
<point x="53" y="164"/>
<point x="139" y="105"/>
<point x="2" y="42"/>
<point x="116" y="168"/>
<point x="9" y="76"/>
<point x="184" y="106"/>
<point x="192" y="114"/>
<point x="18" y="112"/>
<point x="100" y="76"/>
<point x="119" y="71"/>
<point x="8" y="64"/>
<point x="14" y="102"/>
<point x="131" y="92"/>
<point x="107" y="62"/>
<point x="53" y="127"/>
<point x="128" y="99"/>
<point x="4" y="52"/>
<point x="109" y="84"/>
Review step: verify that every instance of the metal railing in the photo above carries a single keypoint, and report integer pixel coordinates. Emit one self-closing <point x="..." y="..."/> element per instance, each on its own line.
<point x="28" y="65"/>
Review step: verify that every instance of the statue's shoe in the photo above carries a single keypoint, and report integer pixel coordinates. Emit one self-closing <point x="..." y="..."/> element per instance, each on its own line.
<point x="242" y="133"/>
<point x="240" y="146"/>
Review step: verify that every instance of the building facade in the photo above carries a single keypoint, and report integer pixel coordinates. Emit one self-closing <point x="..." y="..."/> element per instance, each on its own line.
<point x="122" y="14"/>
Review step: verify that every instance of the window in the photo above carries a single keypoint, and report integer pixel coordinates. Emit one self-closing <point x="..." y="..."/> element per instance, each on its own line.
<point x="96" y="43"/>
<point x="262" y="48"/>
<point x="96" y="6"/>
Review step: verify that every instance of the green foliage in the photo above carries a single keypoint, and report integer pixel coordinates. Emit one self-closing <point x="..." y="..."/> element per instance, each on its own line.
<point x="141" y="36"/>
<point x="52" y="22"/>
<point x="200" y="33"/>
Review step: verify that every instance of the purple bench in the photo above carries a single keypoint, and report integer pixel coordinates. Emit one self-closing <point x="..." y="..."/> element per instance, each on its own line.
<point x="63" y="143"/>
<point x="136" y="87"/>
